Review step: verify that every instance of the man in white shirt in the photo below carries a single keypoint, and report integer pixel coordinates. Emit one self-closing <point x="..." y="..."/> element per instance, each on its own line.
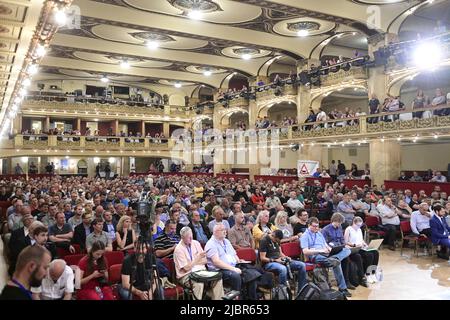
<point x="438" y="177"/>
<point x="420" y="221"/>
<point x="391" y="222"/>
<point x="321" y="117"/>
<point x="293" y="203"/>
<point x="57" y="285"/>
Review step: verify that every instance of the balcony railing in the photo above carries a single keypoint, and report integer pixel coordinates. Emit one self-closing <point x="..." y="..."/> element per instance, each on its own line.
<point x="426" y="121"/>
<point x="63" y="104"/>
<point x="90" y="142"/>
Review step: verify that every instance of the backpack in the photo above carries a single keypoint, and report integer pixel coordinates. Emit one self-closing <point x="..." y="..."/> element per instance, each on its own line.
<point x="320" y="278"/>
<point x="281" y="292"/>
<point x="312" y="292"/>
<point x="353" y="273"/>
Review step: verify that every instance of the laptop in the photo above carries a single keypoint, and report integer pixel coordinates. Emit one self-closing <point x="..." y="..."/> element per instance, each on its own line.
<point x="334" y="250"/>
<point x="374" y="245"/>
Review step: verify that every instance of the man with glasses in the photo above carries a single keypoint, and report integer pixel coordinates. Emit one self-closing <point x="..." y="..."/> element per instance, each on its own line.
<point x="221" y="256"/>
<point x="317" y="250"/>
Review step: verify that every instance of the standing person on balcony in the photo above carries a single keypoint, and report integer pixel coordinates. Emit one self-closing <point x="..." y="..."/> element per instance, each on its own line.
<point x="321" y="117"/>
<point x="440" y="100"/>
<point x="374" y="108"/>
<point x="419" y="102"/>
<point x="342" y="171"/>
<point x="18" y="169"/>
<point x="333" y="170"/>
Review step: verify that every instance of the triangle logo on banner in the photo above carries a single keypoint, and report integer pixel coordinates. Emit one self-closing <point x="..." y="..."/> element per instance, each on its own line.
<point x="304" y="170"/>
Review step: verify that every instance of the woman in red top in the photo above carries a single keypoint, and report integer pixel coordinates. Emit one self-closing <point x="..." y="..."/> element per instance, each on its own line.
<point x="257" y="198"/>
<point x="94" y="275"/>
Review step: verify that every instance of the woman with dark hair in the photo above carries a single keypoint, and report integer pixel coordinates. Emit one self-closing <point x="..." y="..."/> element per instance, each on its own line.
<point x="94" y="275"/>
<point x="420" y="102"/>
<point x="354" y="170"/>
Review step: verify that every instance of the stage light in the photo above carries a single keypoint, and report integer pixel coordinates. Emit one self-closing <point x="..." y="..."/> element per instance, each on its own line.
<point x="303" y="33"/>
<point x="152" y="45"/>
<point x="32" y="69"/>
<point x="178" y="85"/>
<point x="40" y="51"/>
<point x="26" y="82"/>
<point x="207" y="73"/>
<point x="104" y="79"/>
<point x="195" y="14"/>
<point x="124" y="64"/>
<point x="60" y="17"/>
<point x="246" y="56"/>
<point x="428" y="56"/>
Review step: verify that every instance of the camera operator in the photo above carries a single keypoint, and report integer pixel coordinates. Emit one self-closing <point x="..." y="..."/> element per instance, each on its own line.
<point x="273" y="259"/>
<point x="141" y="279"/>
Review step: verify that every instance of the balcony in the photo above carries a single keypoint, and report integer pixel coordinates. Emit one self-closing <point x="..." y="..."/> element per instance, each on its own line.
<point x="354" y="74"/>
<point x="53" y="105"/>
<point x="40" y="142"/>
<point x="270" y="93"/>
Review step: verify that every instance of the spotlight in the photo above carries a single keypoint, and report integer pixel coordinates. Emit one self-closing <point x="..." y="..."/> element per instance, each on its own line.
<point x="60" y="17"/>
<point x="40" y="51"/>
<point x="195" y="14"/>
<point x="104" y="79"/>
<point x="26" y="82"/>
<point x="246" y="56"/>
<point x="17" y="100"/>
<point x="152" y="45"/>
<point x="32" y="69"/>
<point x="207" y="73"/>
<point x="428" y="56"/>
<point x="435" y="136"/>
<point x="303" y="33"/>
<point x="178" y="85"/>
<point x="294" y="147"/>
<point x="124" y="64"/>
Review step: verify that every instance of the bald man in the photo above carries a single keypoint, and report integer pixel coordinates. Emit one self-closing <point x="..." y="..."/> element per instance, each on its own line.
<point x="58" y="284"/>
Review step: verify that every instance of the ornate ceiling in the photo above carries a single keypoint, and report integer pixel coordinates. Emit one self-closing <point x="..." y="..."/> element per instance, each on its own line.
<point x="193" y="42"/>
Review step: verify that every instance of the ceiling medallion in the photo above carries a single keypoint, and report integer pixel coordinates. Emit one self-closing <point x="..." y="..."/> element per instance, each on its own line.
<point x="205" y="6"/>
<point x="4" y="29"/>
<point x="150" y="36"/>
<point x="303" y="25"/>
<point x="4" y="10"/>
<point x="250" y="51"/>
<point x="122" y="58"/>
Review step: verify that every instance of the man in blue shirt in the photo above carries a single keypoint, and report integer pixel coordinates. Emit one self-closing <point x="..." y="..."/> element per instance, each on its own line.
<point x="200" y="231"/>
<point x="221" y="256"/>
<point x="317" y="173"/>
<point x="334" y="236"/>
<point x="316" y="248"/>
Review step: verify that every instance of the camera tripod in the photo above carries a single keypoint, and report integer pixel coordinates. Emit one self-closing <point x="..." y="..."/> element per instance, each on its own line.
<point x="144" y="250"/>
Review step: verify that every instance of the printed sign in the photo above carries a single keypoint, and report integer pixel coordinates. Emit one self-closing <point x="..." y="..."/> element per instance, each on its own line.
<point x="306" y="168"/>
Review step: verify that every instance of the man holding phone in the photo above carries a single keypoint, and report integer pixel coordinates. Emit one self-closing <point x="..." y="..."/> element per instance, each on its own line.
<point x="189" y="257"/>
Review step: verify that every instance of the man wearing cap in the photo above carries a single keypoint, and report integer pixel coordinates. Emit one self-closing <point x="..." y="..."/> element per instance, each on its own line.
<point x="20" y="238"/>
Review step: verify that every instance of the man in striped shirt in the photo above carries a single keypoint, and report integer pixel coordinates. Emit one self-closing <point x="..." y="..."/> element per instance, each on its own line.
<point x="166" y="242"/>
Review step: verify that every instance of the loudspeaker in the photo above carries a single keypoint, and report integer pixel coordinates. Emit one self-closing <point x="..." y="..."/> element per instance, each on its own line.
<point x="41" y="86"/>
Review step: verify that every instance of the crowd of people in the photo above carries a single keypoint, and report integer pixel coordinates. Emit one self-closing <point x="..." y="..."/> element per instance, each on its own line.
<point x="200" y="223"/>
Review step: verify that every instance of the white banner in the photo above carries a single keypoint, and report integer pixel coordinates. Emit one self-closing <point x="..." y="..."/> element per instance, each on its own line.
<point x="306" y="168"/>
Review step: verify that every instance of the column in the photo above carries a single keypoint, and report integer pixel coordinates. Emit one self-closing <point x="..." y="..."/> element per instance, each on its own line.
<point x="17" y="124"/>
<point x="143" y="128"/>
<point x="125" y="166"/>
<point x="303" y="103"/>
<point x="117" y="132"/>
<point x="47" y="124"/>
<point x="385" y="160"/>
<point x="254" y="170"/>
<point x="78" y="124"/>
<point x="166" y="129"/>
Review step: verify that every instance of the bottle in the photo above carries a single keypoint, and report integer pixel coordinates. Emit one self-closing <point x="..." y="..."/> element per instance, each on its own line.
<point x="99" y="292"/>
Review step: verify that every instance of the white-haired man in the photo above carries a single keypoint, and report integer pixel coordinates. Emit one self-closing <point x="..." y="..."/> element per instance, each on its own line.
<point x="58" y="284"/>
<point x="189" y="257"/>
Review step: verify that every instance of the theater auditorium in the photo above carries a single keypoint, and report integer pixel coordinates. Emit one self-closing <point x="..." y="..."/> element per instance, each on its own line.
<point x="225" y="150"/>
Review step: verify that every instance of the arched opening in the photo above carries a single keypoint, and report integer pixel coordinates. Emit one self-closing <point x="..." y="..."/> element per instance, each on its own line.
<point x="238" y="81"/>
<point x="282" y="67"/>
<point x="353" y="99"/>
<point x="278" y="113"/>
<point x="235" y="120"/>
<point x="428" y="82"/>
<point x="205" y="94"/>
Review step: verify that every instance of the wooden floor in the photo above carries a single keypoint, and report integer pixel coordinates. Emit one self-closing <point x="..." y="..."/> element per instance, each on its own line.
<point x="408" y="278"/>
<point x="404" y="278"/>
